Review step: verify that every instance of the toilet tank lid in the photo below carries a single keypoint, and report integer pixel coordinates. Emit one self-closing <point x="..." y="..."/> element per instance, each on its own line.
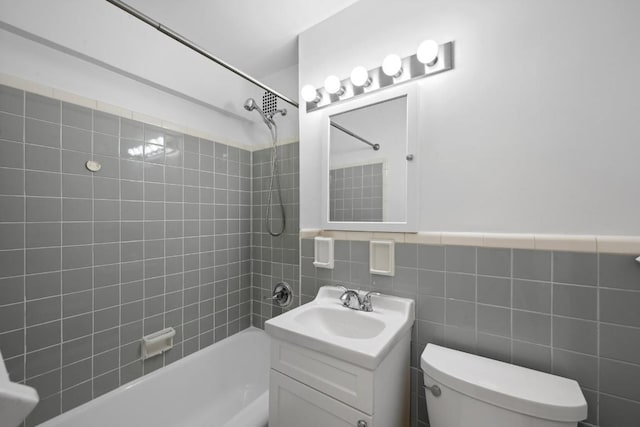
<point x="508" y="386"/>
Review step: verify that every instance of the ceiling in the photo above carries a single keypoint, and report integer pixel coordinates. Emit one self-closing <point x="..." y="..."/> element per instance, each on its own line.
<point x="259" y="37"/>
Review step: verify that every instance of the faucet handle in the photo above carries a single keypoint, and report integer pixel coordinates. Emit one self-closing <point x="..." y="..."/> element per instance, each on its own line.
<point x="366" y="300"/>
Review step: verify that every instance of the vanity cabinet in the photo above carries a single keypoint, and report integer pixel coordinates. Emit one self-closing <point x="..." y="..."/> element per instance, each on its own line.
<point x="312" y="389"/>
<point x="293" y="404"/>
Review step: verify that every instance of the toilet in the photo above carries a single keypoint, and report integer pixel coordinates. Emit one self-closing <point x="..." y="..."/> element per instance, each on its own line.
<point x="465" y="390"/>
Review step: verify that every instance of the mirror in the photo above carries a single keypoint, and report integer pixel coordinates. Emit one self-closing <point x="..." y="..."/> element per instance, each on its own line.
<point x="367" y="185"/>
<point x="367" y="163"/>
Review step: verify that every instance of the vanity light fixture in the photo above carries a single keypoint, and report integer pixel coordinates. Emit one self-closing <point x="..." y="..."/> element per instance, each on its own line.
<point x="430" y="58"/>
<point x="392" y="66"/>
<point x="428" y="53"/>
<point x="360" y="77"/>
<point x="310" y="94"/>
<point x="333" y="86"/>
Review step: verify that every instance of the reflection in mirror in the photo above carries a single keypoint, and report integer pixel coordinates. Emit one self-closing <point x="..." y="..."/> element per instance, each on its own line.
<point x="368" y="184"/>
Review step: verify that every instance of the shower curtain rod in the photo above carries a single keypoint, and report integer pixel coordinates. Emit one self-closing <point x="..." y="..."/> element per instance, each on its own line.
<point x="375" y="147"/>
<point x="186" y="42"/>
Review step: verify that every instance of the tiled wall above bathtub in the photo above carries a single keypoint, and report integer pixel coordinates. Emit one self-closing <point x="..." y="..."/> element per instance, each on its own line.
<point x="274" y="259"/>
<point x="89" y="263"/>
<point x="573" y="314"/>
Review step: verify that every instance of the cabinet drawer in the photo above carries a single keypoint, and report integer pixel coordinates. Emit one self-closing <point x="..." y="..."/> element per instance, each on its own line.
<point x="346" y="382"/>
<point x="293" y="404"/>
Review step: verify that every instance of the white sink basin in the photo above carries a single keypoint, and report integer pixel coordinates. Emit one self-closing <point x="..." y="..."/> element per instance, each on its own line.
<point x="341" y="323"/>
<point x="358" y="337"/>
<point x="16" y="400"/>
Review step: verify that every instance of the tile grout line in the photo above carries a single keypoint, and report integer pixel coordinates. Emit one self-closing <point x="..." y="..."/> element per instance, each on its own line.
<point x="598" y="330"/>
<point x="475" y="296"/>
<point x="144" y="257"/>
<point x="119" y="248"/>
<point x="24" y="251"/>
<point x="511" y="276"/>
<point x="444" y="320"/>
<point x="60" y="249"/>
<point x="182" y="305"/>
<point x="552" y="313"/>
<point x="199" y="247"/>
<point x="164" y="252"/>
<point x="93" y="254"/>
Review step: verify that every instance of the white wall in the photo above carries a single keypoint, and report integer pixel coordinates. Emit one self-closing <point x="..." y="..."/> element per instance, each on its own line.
<point x="535" y="130"/>
<point x="93" y="49"/>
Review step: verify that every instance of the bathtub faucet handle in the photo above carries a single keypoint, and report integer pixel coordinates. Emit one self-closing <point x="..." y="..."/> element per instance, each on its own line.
<point x="282" y="294"/>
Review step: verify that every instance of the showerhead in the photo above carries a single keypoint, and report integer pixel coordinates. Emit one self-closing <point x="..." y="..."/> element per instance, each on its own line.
<point x="251" y="104"/>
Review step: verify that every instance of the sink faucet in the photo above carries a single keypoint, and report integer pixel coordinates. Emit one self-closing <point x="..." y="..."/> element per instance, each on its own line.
<point x="351" y="299"/>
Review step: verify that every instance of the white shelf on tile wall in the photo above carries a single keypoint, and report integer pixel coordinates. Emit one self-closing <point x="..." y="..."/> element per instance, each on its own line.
<point x="157" y="342"/>
<point x="323" y="252"/>
<point x="382" y="257"/>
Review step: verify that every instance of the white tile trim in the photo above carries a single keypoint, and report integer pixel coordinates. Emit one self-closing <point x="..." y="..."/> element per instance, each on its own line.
<point x="619" y="244"/>
<point x="462" y="239"/>
<point x="551" y="242"/>
<point x="425" y="238"/>
<point x="310" y="233"/>
<point x="268" y="145"/>
<point x="396" y="237"/>
<point x="559" y="242"/>
<point x="104" y="107"/>
<point x="507" y="240"/>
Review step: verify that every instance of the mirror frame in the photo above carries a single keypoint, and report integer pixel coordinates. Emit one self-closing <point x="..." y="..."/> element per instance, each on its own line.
<point x="412" y="203"/>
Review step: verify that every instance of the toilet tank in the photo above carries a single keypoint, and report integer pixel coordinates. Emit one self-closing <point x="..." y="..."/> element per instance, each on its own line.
<point x="484" y="392"/>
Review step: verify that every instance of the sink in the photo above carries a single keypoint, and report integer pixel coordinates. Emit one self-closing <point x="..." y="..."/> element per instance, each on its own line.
<point x="335" y="366"/>
<point x="326" y="326"/>
<point x="16" y="400"/>
<point x="340" y="322"/>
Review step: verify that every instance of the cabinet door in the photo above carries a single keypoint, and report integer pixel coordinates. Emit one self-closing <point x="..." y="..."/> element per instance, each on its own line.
<point x="343" y="381"/>
<point x="293" y="404"/>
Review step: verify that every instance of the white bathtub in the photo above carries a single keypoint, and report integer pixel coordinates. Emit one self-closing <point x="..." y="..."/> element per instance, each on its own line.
<point x="224" y="385"/>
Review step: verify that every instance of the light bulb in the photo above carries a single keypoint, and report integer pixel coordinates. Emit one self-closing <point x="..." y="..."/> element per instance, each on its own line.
<point x="333" y="86"/>
<point x="360" y="77"/>
<point x="309" y="93"/>
<point x="428" y="52"/>
<point x="392" y="65"/>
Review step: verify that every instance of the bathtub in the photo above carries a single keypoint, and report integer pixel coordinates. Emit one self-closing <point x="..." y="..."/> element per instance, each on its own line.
<point x="224" y="385"/>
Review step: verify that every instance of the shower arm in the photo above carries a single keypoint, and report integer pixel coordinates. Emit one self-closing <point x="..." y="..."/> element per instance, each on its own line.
<point x="375" y="147"/>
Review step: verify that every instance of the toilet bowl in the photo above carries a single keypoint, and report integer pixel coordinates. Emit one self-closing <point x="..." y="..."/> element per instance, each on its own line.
<point x="466" y="390"/>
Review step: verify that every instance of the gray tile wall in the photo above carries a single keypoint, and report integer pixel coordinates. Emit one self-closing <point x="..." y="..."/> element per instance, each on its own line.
<point x="274" y="259"/>
<point x="89" y="263"/>
<point x="572" y="314"/>
<point x="356" y="193"/>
